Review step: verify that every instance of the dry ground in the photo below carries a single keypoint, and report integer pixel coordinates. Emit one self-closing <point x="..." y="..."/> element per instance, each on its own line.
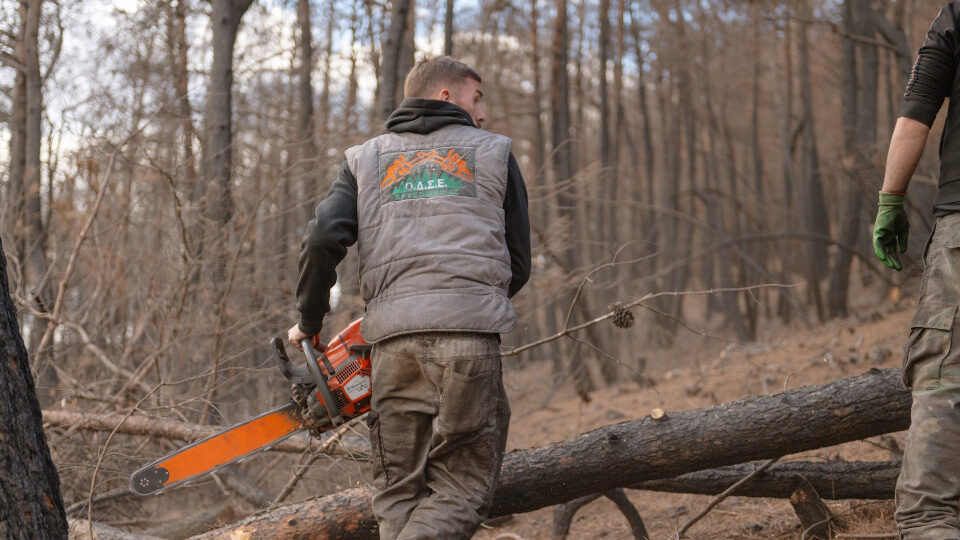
<point x="700" y="373"/>
<point x="695" y="372"/>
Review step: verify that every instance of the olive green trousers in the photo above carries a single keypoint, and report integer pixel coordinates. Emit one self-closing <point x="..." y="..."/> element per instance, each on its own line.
<point x="928" y="489"/>
<point x="438" y="427"/>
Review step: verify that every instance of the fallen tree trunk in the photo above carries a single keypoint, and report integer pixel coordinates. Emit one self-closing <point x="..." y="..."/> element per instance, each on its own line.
<point x="353" y="447"/>
<point x="631" y="452"/>
<point x="833" y="480"/>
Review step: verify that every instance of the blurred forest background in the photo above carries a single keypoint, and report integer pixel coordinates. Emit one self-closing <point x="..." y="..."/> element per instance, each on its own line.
<point x="161" y="159"/>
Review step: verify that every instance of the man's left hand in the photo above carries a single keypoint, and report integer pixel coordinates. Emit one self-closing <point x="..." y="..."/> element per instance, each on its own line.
<point x="891" y="230"/>
<point x="295" y="336"/>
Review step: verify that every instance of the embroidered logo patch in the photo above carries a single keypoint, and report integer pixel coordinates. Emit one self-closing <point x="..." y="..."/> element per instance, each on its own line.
<point x="419" y="174"/>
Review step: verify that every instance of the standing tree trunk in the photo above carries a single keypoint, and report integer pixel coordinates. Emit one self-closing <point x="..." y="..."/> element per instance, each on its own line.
<point x="538" y="138"/>
<point x="562" y="163"/>
<point x="30" y="502"/>
<point x="859" y="92"/>
<point x="178" y="47"/>
<point x="349" y="114"/>
<point x="789" y="177"/>
<point x="604" y="46"/>
<point x="34" y="256"/>
<point x="448" y="29"/>
<point x="218" y="152"/>
<point x="408" y="50"/>
<point x="306" y="120"/>
<point x="391" y="58"/>
<point x="226" y="15"/>
<point x="34" y="233"/>
<point x="813" y="204"/>
<point x="17" y="124"/>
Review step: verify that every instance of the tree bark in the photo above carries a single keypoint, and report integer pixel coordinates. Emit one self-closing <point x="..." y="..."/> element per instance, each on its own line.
<point x="631" y="452"/>
<point x="30" y="501"/>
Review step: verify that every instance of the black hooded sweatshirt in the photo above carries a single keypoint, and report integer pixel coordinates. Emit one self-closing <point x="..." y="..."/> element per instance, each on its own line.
<point x="335" y="225"/>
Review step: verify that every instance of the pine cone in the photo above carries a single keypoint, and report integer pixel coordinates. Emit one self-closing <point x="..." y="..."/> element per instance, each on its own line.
<point x="622" y="317"/>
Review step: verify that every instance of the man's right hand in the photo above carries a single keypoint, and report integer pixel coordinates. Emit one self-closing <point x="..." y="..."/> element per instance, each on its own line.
<point x="295" y="336"/>
<point x="891" y="230"/>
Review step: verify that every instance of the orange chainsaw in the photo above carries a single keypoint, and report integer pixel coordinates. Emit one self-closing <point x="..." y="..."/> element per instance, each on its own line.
<point x="327" y="391"/>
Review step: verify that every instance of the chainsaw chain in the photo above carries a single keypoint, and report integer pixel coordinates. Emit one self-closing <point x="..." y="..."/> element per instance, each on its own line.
<point x="311" y="410"/>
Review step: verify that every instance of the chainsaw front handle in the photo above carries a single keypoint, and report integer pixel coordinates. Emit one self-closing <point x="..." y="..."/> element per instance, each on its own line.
<point x="314" y="366"/>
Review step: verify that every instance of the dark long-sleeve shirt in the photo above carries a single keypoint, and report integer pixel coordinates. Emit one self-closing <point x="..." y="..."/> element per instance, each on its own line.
<point x="335" y="224"/>
<point x="935" y="78"/>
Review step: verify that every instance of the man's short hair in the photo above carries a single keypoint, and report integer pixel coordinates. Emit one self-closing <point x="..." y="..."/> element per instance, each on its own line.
<point x="429" y="74"/>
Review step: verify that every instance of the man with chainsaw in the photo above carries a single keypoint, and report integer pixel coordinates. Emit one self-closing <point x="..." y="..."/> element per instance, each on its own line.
<point x="438" y="209"/>
<point x="929" y="485"/>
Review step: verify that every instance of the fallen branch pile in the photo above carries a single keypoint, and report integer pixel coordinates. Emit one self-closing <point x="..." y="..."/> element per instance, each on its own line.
<point x="637" y="451"/>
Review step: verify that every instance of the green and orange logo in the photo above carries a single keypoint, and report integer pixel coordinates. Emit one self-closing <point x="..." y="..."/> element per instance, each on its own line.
<point x="421" y="174"/>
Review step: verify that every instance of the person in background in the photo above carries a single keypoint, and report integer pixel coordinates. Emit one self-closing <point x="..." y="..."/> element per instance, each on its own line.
<point x="929" y="485"/>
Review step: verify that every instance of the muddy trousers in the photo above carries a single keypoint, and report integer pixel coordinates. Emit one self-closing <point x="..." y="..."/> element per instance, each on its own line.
<point x="438" y="428"/>
<point x="928" y="489"/>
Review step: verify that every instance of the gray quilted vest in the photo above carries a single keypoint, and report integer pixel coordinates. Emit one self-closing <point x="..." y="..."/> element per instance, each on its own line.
<point x="431" y="232"/>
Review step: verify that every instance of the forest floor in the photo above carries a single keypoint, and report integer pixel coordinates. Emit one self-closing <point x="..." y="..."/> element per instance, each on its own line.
<point x="698" y="373"/>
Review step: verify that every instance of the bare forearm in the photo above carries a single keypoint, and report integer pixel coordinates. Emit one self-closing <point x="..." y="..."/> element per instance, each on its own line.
<point x="906" y="148"/>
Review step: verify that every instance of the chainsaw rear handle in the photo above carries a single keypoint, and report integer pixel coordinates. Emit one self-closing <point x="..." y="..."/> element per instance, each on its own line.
<point x="314" y="367"/>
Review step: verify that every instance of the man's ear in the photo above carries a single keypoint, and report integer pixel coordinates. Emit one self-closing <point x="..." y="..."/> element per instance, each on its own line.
<point x="444" y="95"/>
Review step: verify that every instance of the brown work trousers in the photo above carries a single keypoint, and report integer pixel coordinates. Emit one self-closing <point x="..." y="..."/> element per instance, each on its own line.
<point x="929" y="485"/>
<point x="438" y="427"/>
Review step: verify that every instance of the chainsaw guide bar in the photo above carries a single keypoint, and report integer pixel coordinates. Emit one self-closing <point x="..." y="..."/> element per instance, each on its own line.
<point x="333" y="387"/>
<point x="218" y="450"/>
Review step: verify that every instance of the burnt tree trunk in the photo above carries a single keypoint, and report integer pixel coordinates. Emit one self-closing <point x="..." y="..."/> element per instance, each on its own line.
<point x="833" y="480"/>
<point x="631" y="452"/>
<point x="30" y="502"/>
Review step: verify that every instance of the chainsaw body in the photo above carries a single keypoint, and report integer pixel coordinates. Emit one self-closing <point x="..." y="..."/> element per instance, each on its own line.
<point x="332" y="387"/>
<point x="336" y="385"/>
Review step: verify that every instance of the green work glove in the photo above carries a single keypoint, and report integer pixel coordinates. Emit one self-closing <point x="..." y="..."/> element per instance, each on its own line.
<point x="890" y="230"/>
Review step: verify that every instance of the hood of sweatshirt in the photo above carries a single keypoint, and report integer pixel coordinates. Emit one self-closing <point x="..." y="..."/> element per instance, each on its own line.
<point x="422" y="116"/>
